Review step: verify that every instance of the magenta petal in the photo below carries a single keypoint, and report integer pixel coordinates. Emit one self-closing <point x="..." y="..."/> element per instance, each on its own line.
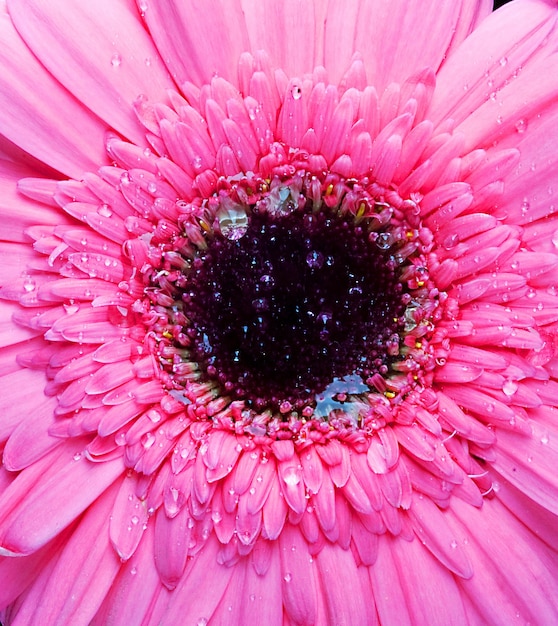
<point x="510" y="38"/>
<point x="129" y="67"/>
<point x="188" y="602"/>
<point x="82" y="575"/>
<point x="385" y="34"/>
<point x="33" y="103"/>
<point x="56" y="501"/>
<point x="198" y="41"/>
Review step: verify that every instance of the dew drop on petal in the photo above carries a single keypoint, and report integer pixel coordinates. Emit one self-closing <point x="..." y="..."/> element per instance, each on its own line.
<point x="116" y="60"/>
<point x="104" y="210"/>
<point x="291" y="476"/>
<point x="233" y="221"/>
<point x="509" y="387"/>
<point x="521" y="126"/>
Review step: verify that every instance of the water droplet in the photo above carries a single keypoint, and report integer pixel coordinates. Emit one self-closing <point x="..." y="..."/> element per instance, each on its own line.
<point x="453" y="544"/>
<point x="451" y="241"/>
<point x="116" y="60"/>
<point x="521" y="126"/>
<point x="135" y="520"/>
<point x="296" y="92"/>
<point x="77" y="456"/>
<point x="29" y="284"/>
<point x="291" y="476"/>
<point x="384" y="241"/>
<point x="148" y="440"/>
<point x="134" y="571"/>
<point x="504" y="61"/>
<point x="315" y="259"/>
<point x="267" y="281"/>
<point x="202" y="621"/>
<point x="287" y="577"/>
<point x="120" y="439"/>
<point x="233" y="220"/>
<point x="555" y="238"/>
<point x="509" y="388"/>
<point x="544" y="439"/>
<point x="104" y="210"/>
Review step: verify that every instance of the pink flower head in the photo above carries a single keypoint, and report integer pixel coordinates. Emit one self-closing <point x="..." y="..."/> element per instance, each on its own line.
<point x="279" y="312"/>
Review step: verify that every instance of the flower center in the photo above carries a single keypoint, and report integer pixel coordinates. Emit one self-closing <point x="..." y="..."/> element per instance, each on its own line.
<point x="301" y="294"/>
<point x="300" y="299"/>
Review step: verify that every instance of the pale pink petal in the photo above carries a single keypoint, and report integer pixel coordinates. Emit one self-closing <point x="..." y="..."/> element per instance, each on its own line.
<point x="134" y="590"/>
<point x="82" y="575"/>
<point x="505" y="44"/>
<point x="198" y="41"/>
<point x="100" y="68"/>
<point x="342" y="607"/>
<point x="507" y="557"/>
<point x="386" y="36"/>
<point x="18" y="212"/>
<point x="187" y="601"/>
<point x="57" y="500"/>
<point x="285" y="30"/>
<point x="15" y="393"/>
<point x="32" y="104"/>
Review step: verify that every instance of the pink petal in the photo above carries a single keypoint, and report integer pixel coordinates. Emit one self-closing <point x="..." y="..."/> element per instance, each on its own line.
<point x="386" y="37"/>
<point x="128" y="520"/>
<point x="33" y="104"/>
<point x="506" y="555"/>
<point x="388" y="592"/>
<point x="18" y="213"/>
<point x="342" y="607"/>
<point x="30" y="440"/>
<point x="298" y="585"/>
<point x="172" y="538"/>
<point x="134" y="589"/>
<point x="56" y="500"/>
<point x="496" y="119"/>
<point x="488" y="59"/>
<point x="15" y="399"/>
<point x="286" y="30"/>
<point x="188" y="604"/>
<point x="92" y="60"/>
<point x="198" y="41"/>
<point x="430" y="589"/>
<point x="82" y="575"/>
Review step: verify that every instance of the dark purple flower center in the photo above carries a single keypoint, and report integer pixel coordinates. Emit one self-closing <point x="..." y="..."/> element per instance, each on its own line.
<point x="302" y="294"/>
<point x="298" y="300"/>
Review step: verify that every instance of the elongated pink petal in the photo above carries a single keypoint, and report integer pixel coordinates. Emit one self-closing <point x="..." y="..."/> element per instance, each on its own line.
<point x="33" y="102"/>
<point x="182" y="31"/>
<point x="57" y="502"/>
<point x="129" y="67"/>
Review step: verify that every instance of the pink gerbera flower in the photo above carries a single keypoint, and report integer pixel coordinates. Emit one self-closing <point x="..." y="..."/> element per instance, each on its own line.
<point x="279" y="317"/>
